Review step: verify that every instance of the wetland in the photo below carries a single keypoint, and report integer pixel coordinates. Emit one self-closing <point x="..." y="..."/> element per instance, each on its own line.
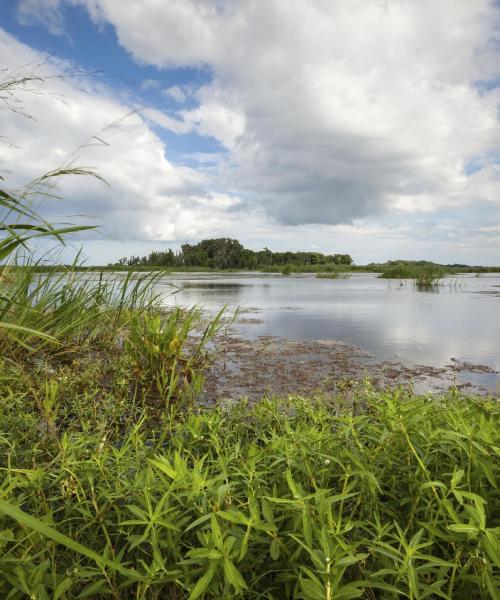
<point x="315" y="333"/>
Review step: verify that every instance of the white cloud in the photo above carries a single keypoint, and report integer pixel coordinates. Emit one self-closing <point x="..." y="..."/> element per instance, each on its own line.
<point x="177" y="93"/>
<point x="332" y="110"/>
<point x="336" y="111"/>
<point x="47" y="12"/>
<point x="213" y="118"/>
<point x="150" y="84"/>
<point x="148" y="196"/>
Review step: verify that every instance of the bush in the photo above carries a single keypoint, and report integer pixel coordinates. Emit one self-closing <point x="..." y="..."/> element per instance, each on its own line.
<point x="298" y="498"/>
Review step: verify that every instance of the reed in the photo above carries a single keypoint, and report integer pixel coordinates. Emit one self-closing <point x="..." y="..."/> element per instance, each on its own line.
<point x="424" y="277"/>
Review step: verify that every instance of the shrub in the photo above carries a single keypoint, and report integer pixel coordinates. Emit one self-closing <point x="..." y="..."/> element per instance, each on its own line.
<point x="298" y="498"/>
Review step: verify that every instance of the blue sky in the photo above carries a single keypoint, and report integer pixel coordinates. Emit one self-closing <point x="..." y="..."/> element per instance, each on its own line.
<point x="365" y="127"/>
<point x="95" y="49"/>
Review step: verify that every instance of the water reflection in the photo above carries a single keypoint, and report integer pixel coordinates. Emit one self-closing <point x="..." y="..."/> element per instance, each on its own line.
<point x="391" y="321"/>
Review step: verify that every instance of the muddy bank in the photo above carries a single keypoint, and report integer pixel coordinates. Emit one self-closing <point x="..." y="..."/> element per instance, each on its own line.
<point x="277" y="366"/>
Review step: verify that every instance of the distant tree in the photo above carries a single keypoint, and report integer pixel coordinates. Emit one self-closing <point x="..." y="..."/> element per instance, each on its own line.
<point x="227" y="253"/>
<point x="342" y="259"/>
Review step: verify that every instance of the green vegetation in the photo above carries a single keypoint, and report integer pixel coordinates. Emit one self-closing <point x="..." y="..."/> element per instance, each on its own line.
<point x="225" y="253"/>
<point x="115" y="484"/>
<point x="423" y="269"/>
<point x="105" y="495"/>
<point x="424" y="276"/>
<point x="400" y="269"/>
<point x="332" y="275"/>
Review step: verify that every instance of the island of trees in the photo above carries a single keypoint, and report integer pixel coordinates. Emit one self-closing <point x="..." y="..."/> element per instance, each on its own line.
<point x="226" y="253"/>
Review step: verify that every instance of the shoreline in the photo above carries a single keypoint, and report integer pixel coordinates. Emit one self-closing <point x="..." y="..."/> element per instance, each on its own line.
<point x="274" y="366"/>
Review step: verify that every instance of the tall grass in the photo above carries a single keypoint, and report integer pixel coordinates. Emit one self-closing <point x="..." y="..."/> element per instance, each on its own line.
<point x="20" y="224"/>
<point x="68" y="308"/>
<point x="424" y="277"/>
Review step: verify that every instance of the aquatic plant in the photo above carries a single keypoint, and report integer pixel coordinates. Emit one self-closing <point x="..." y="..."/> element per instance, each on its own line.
<point x="424" y="277"/>
<point x="162" y="356"/>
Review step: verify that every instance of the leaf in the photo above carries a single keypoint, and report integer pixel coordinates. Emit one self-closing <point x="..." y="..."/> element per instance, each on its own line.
<point x="274" y="549"/>
<point x="458" y="475"/>
<point x="4" y="325"/>
<point x="162" y="463"/>
<point x="27" y="520"/>
<point x="234" y="516"/>
<point x="463" y="528"/>
<point x="234" y="576"/>
<point x="203" y="583"/>
<point x="491" y="545"/>
<point x="351" y="559"/>
<point x="198" y="521"/>
<point x="216" y="531"/>
<point x="210" y="553"/>
<point x="62" y="588"/>
<point x="93" y="589"/>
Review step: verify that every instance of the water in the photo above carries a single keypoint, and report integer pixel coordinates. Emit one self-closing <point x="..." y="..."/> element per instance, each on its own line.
<point x="459" y="321"/>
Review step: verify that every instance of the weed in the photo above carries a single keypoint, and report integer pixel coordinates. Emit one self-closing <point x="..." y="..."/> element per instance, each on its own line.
<point x="281" y="499"/>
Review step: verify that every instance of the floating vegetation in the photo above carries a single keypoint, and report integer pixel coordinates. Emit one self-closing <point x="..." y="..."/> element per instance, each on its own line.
<point x="332" y="275"/>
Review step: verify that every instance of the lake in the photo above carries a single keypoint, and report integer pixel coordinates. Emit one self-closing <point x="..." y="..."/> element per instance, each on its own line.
<point x="456" y="323"/>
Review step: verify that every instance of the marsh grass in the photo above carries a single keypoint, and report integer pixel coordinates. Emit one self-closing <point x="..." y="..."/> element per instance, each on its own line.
<point x="424" y="277"/>
<point x="68" y="310"/>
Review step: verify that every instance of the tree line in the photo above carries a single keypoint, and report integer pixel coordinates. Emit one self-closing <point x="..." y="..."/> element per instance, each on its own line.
<point x="226" y="253"/>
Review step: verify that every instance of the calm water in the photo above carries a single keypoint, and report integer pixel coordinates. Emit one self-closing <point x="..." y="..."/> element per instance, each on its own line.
<point x="391" y="321"/>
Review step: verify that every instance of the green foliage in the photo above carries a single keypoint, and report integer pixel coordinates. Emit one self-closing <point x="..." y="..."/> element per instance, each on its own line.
<point x="298" y="498"/>
<point x="225" y="253"/>
<point x="161" y="353"/>
<point x="425" y="276"/>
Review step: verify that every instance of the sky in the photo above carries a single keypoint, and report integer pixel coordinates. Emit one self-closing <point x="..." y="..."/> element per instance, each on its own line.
<point x="368" y="127"/>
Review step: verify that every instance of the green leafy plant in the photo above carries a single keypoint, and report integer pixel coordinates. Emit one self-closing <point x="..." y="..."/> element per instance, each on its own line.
<point x="164" y="355"/>
<point x="283" y="499"/>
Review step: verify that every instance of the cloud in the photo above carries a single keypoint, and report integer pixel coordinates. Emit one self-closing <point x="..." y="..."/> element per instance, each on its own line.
<point x="335" y="111"/>
<point x="80" y="121"/>
<point x="46" y="12"/>
<point x="177" y="93"/>
<point x="150" y="84"/>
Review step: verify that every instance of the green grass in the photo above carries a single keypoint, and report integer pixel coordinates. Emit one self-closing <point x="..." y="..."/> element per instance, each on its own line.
<point x="424" y="277"/>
